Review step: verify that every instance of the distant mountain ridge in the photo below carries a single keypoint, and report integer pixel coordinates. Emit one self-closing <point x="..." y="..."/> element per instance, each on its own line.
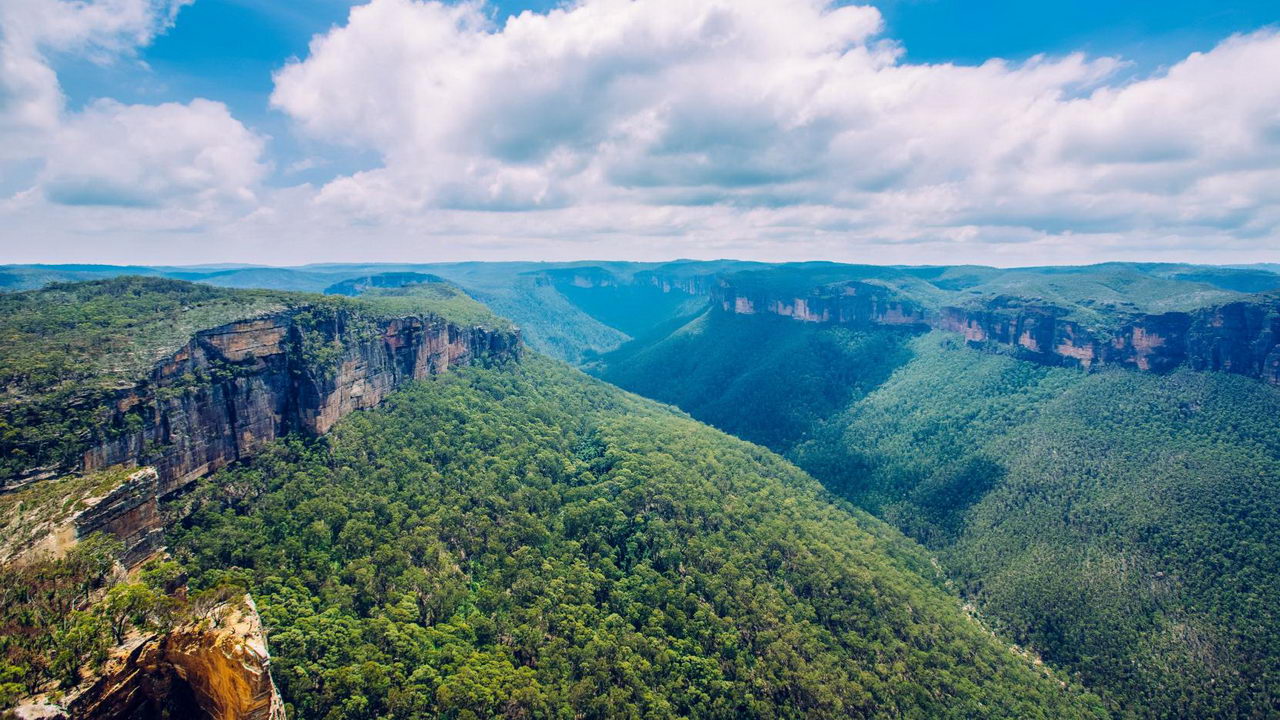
<point x="1142" y="315"/>
<point x="497" y="534"/>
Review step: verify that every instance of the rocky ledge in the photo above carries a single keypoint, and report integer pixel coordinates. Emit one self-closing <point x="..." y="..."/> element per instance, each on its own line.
<point x="216" y="666"/>
<point x="233" y="389"/>
<point x="1239" y="337"/>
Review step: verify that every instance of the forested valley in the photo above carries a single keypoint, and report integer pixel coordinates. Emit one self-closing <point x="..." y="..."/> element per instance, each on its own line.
<point x="956" y="523"/>
<point x="1120" y="524"/>
<point x="530" y="543"/>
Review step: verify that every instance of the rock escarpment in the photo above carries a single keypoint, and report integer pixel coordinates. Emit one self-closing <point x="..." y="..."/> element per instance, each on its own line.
<point x="130" y="512"/>
<point x="1240" y="337"/>
<point x="690" y="284"/>
<point x="216" y="666"/>
<point x="233" y="389"/>
<point x="851" y="303"/>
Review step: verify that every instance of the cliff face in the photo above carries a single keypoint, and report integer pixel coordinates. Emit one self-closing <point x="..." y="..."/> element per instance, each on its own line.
<point x="690" y="284"/>
<point x="233" y="389"/>
<point x="1240" y="337"/>
<point x="215" y="667"/>
<point x="853" y="303"/>
<point x="131" y="512"/>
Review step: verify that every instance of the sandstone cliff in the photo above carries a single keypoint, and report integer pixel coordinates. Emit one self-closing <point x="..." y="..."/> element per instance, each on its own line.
<point x="232" y="389"/>
<point x="215" y="666"/>
<point x="1240" y="337"/>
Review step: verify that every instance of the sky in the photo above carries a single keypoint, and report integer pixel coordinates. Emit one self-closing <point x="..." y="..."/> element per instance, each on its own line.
<point x="903" y="131"/>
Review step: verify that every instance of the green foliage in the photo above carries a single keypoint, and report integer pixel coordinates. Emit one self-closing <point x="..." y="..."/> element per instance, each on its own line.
<point x="67" y="350"/>
<point x="1120" y="523"/>
<point x="438" y="298"/>
<point x="526" y="542"/>
<point x="767" y="379"/>
<point x="46" y="633"/>
<point x="550" y="322"/>
<point x="131" y="605"/>
<point x="61" y="616"/>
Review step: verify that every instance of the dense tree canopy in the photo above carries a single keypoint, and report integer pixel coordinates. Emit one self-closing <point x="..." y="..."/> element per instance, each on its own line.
<point x="67" y="349"/>
<point x="1121" y="524"/>
<point x="527" y="542"/>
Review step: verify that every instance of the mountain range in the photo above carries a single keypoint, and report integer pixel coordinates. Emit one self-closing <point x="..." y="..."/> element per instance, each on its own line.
<point x="861" y="491"/>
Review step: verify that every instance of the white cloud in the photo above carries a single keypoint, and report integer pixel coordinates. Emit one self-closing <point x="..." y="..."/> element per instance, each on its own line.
<point x="151" y="155"/>
<point x="31" y="100"/>
<point x="758" y="106"/>
<point x="776" y="129"/>
<point x="192" y="155"/>
<point x="469" y="115"/>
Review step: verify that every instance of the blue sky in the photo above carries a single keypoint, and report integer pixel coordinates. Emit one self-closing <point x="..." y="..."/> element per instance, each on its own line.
<point x="1150" y="32"/>
<point x="546" y="163"/>
<point x="227" y="50"/>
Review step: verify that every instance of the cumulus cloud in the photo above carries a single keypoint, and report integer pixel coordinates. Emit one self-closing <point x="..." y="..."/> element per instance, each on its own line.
<point x="151" y="155"/>
<point x="31" y="100"/>
<point x="192" y="155"/>
<point x="783" y="109"/>
<point x="540" y="110"/>
<point x="773" y="129"/>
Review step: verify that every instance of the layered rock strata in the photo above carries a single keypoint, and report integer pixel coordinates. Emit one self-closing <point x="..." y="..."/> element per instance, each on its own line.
<point x="130" y="512"/>
<point x="215" y="667"/>
<point x="233" y="389"/>
<point x="1240" y="337"/>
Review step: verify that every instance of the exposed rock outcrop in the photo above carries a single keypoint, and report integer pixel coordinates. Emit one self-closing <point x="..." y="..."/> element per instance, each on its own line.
<point x="1240" y="337"/>
<point x="130" y="512"/>
<point x="233" y="389"/>
<point x="216" y="667"/>
<point x="690" y="284"/>
<point x="849" y="304"/>
<point x="46" y="522"/>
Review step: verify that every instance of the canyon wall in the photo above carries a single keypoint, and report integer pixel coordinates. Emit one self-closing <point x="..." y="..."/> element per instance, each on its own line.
<point x="232" y="389"/>
<point x="1240" y="337"/>
<point x="215" y="666"/>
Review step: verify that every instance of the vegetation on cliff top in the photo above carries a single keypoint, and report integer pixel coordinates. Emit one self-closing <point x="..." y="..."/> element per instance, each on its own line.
<point x="1101" y="297"/>
<point x="1119" y="523"/>
<point x="526" y="542"/>
<point x="65" y="349"/>
<point x="108" y="332"/>
<point x="30" y="513"/>
<point x="61" y="615"/>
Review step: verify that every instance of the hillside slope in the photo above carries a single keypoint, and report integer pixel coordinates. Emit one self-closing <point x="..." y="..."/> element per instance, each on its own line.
<point x="525" y="542"/>
<point x="1119" y="523"/>
<point x="507" y="538"/>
